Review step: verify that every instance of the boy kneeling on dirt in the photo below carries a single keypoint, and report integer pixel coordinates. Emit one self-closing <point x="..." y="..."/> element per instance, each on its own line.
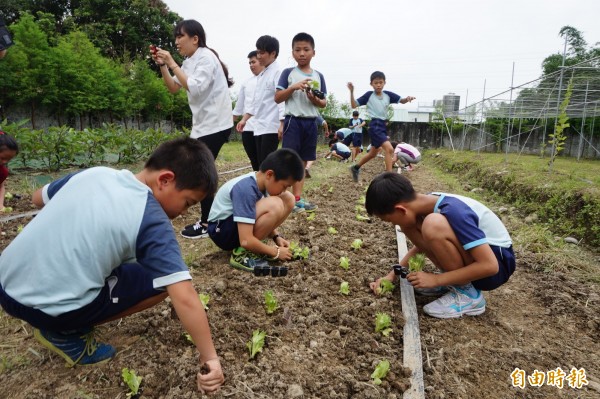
<point x="103" y="247"/>
<point x="249" y="208"/>
<point x="461" y="236"/>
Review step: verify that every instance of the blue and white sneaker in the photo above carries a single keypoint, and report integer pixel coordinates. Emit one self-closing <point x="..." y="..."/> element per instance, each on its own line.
<point x="79" y="347"/>
<point x="456" y="303"/>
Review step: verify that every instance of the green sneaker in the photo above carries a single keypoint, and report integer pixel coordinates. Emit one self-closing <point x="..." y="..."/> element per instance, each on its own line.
<point x="303" y="206"/>
<point x="79" y="347"/>
<point x="245" y="260"/>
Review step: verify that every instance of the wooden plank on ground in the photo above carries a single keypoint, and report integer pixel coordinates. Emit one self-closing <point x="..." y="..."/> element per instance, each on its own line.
<point x="22" y="215"/>
<point x="412" y="337"/>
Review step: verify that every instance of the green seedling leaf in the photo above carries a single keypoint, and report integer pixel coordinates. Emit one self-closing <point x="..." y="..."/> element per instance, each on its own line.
<point x="299" y="252"/>
<point x="362" y="218"/>
<point x="360" y="209"/>
<point x="311" y="216"/>
<point x="330" y="189"/>
<point x="270" y="302"/>
<point x="189" y="338"/>
<point x="380" y="372"/>
<point x="345" y="262"/>
<point x="362" y="200"/>
<point x="344" y="288"/>
<point x="8" y="196"/>
<point x="383" y="323"/>
<point x="416" y="263"/>
<point x="356" y="244"/>
<point x="385" y="287"/>
<point x="257" y="342"/>
<point x="204" y="298"/>
<point x="20" y="228"/>
<point x="314" y="84"/>
<point x="132" y="381"/>
<point x="332" y="230"/>
<point x="7" y="209"/>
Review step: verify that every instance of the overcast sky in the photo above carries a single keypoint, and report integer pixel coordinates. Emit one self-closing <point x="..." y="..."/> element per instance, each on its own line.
<point x="426" y="48"/>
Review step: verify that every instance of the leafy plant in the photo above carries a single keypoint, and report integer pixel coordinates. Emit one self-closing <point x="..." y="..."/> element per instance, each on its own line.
<point x="299" y="252"/>
<point x="311" y="216"/>
<point x="356" y="244"/>
<point x="383" y="323"/>
<point x="8" y="196"/>
<point x="132" y="380"/>
<point x="558" y="138"/>
<point x="204" y="298"/>
<point x="362" y="200"/>
<point x="271" y="304"/>
<point x="332" y="230"/>
<point x="416" y="263"/>
<point x="330" y="189"/>
<point x="362" y="218"/>
<point x="345" y="262"/>
<point x="20" y="228"/>
<point x="385" y="286"/>
<point x="360" y="209"/>
<point x="380" y="371"/>
<point x="344" y="288"/>
<point x="256" y="343"/>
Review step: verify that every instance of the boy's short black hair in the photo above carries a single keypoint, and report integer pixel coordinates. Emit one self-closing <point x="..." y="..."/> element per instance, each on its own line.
<point x="377" y="75"/>
<point x="190" y="160"/>
<point x="355" y="113"/>
<point x="394" y="144"/>
<point x="8" y="142"/>
<point x="284" y="163"/>
<point x="332" y="141"/>
<point x="269" y="44"/>
<point x="386" y="191"/>
<point x="252" y="54"/>
<point x="303" y="37"/>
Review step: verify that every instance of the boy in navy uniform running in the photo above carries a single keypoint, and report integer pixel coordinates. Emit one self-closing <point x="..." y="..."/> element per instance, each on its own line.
<point x="377" y="102"/>
<point x="304" y="92"/>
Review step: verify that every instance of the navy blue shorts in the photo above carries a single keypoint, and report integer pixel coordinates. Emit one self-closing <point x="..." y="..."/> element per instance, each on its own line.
<point x="300" y="135"/>
<point x="224" y="233"/>
<point x="348" y="139"/>
<point x="127" y="285"/>
<point x="506" y="267"/>
<point x="342" y="154"/>
<point x="378" y="132"/>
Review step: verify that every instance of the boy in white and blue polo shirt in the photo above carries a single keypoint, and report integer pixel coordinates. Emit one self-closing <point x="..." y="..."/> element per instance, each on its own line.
<point x="304" y="92"/>
<point x="460" y="235"/>
<point x="338" y="150"/>
<point x="377" y="102"/>
<point x="103" y="247"/>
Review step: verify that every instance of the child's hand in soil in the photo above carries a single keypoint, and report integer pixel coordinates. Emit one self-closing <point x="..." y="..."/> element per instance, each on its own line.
<point x="210" y="377"/>
<point x="423" y="280"/>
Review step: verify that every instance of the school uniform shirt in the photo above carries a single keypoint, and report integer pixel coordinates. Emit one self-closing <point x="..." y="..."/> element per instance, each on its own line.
<point x="237" y="197"/>
<point x="244" y="101"/>
<point x="355" y="123"/>
<point x="473" y="223"/>
<point x="208" y="93"/>
<point x="407" y="149"/>
<point x="266" y="112"/>
<point x="340" y="147"/>
<point x="343" y="132"/>
<point x="298" y="103"/>
<point x="377" y="106"/>
<point x="92" y="222"/>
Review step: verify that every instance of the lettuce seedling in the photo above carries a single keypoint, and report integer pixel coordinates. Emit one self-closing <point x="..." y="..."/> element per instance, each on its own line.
<point x="8" y="196"/>
<point x="362" y="200"/>
<point x="332" y="230"/>
<point x="299" y="252"/>
<point x="7" y="209"/>
<point x="385" y="286"/>
<point x="311" y="216"/>
<point x="360" y="209"/>
<point x="133" y="381"/>
<point x="20" y="228"/>
<point x="362" y="218"/>
<point x="205" y="299"/>
<point x="345" y="262"/>
<point x="344" y="288"/>
<point x="270" y="302"/>
<point x="356" y="244"/>
<point x="380" y="371"/>
<point x="330" y="189"/>
<point x="257" y="342"/>
<point x="383" y="323"/>
<point x="416" y="263"/>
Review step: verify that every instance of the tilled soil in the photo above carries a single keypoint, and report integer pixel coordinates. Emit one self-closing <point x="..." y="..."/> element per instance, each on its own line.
<point x="320" y="343"/>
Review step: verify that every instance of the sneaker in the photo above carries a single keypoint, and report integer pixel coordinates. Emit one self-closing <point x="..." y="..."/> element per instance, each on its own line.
<point x="307" y="173"/>
<point x="435" y="291"/>
<point x="410" y="168"/>
<point x="355" y="172"/>
<point x="245" y="260"/>
<point x="194" y="231"/>
<point x="456" y="304"/>
<point x="77" y="348"/>
<point x="303" y="206"/>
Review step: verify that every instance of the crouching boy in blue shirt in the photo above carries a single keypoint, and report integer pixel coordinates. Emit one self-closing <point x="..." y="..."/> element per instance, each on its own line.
<point x="103" y="247"/>
<point x="461" y="236"/>
<point x="250" y="208"/>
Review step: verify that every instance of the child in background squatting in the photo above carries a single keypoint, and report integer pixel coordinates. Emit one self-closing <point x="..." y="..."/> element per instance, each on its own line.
<point x="377" y="102"/>
<point x="339" y="151"/>
<point x="206" y="82"/>
<point x="112" y="252"/>
<point x="250" y="208"/>
<point x="296" y="87"/>
<point x="8" y="150"/>
<point x="406" y="154"/>
<point x="461" y="236"/>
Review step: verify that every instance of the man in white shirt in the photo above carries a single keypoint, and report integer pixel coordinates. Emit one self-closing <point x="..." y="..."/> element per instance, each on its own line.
<point x="243" y="105"/>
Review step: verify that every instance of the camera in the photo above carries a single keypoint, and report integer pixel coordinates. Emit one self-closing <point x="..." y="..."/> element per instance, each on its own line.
<point x="400" y="271"/>
<point x="318" y="93"/>
<point x="5" y="38"/>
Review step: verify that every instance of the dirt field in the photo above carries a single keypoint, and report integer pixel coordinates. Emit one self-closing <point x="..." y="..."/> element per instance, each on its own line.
<point x="320" y="343"/>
